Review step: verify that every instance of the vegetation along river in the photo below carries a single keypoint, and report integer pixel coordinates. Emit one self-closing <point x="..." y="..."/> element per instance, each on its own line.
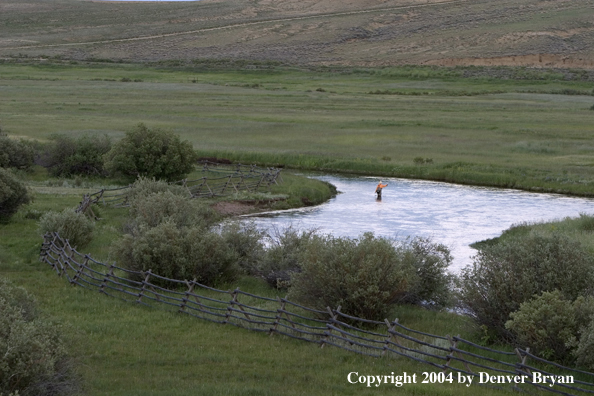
<point x="454" y="215"/>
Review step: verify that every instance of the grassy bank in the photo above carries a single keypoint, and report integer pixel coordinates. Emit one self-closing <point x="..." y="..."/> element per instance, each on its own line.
<point x="528" y="130"/>
<point x="124" y="349"/>
<point x="577" y="228"/>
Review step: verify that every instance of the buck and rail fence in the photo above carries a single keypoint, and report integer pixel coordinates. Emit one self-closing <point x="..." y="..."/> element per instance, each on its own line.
<point x="216" y="180"/>
<point x="388" y="339"/>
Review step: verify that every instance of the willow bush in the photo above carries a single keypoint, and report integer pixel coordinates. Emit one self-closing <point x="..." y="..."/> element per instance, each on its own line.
<point x="555" y="327"/>
<point x="178" y="253"/>
<point x="151" y="153"/>
<point x="13" y="194"/>
<point x="18" y="154"/>
<point x="33" y="357"/>
<point x="363" y="276"/>
<point x="506" y="274"/>
<point x="76" y="227"/>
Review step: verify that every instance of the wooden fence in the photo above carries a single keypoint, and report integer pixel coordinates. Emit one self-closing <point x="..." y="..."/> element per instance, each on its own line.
<point x="330" y="327"/>
<point x="217" y="180"/>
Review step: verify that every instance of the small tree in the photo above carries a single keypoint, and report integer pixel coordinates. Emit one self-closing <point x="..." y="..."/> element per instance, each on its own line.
<point x="152" y="153"/>
<point x="545" y="324"/>
<point x="66" y="156"/>
<point x="76" y="227"/>
<point x="13" y="194"/>
<point x="177" y="253"/>
<point x="17" y="154"/>
<point x="364" y="276"/>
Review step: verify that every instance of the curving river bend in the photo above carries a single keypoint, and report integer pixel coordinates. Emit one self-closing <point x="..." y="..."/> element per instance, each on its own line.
<point x="450" y="214"/>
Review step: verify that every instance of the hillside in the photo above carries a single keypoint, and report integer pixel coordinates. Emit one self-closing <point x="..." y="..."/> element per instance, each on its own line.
<point x="322" y="32"/>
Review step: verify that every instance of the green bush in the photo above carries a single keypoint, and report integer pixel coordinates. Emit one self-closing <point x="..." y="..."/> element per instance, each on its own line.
<point x="13" y="194"/>
<point x="76" y="227"/>
<point x="67" y="156"/>
<point x="363" y="276"/>
<point x="152" y="153"/>
<point x="282" y="257"/>
<point x="431" y="284"/>
<point x="18" y="154"/>
<point x="154" y="209"/>
<point x="246" y="241"/>
<point x="584" y="347"/>
<point x="555" y="328"/>
<point x="545" y="324"/>
<point x="178" y="253"/>
<point x="506" y="274"/>
<point x="33" y="358"/>
<point x="145" y="186"/>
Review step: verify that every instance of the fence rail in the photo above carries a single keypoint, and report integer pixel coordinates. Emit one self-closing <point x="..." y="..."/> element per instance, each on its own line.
<point x="217" y="180"/>
<point x="279" y="316"/>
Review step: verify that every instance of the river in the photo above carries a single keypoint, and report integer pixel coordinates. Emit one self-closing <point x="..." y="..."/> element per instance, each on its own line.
<point x="451" y="214"/>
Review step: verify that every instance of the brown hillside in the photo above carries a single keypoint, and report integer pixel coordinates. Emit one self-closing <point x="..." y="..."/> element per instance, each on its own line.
<point x="323" y="32"/>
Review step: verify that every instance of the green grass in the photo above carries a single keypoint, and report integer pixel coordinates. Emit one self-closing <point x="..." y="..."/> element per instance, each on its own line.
<point x="529" y="135"/>
<point x="580" y="229"/>
<point x="124" y="349"/>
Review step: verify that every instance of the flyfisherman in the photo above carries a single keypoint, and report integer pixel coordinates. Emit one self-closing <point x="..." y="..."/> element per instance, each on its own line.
<point x="378" y="189"/>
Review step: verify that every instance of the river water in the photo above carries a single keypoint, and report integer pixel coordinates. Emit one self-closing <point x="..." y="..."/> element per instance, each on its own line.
<point x="451" y="214"/>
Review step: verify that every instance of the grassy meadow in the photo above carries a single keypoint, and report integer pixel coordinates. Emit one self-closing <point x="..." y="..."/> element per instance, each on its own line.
<point x="124" y="349"/>
<point x="532" y="133"/>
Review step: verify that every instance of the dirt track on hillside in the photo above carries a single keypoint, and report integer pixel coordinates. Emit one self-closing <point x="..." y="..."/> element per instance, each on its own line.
<point x="537" y="33"/>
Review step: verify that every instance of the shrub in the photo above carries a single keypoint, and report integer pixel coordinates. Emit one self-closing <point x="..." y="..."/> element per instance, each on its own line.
<point x="363" y="276"/>
<point x="13" y="194"/>
<point x="245" y="240"/>
<point x="505" y="275"/>
<point x="160" y="207"/>
<point x="178" y="253"/>
<point x="144" y="186"/>
<point x="66" y="156"/>
<point x="76" y="227"/>
<point x="584" y="348"/>
<point x="432" y="284"/>
<point x="152" y="153"/>
<point x="17" y="154"/>
<point x="545" y="324"/>
<point x="556" y="328"/>
<point x="282" y="258"/>
<point x="33" y="359"/>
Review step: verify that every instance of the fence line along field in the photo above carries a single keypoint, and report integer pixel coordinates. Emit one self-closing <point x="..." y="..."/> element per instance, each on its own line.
<point x="520" y="369"/>
<point x="217" y="181"/>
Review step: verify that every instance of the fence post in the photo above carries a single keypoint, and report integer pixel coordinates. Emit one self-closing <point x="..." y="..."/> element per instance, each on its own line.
<point x="329" y="331"/>
<point x="226" y="184"/>
<point x="453" y="346"/>
<point x="279" y="314"/>
<point x="106" y="279"/>
<point x="182" y="307"/>
<point x="522" y="365"/>
<point x="141" y="294"/>
<point x="391" y="335"/>
<point x="80" y="271"/>
<point x="230" y="307"/>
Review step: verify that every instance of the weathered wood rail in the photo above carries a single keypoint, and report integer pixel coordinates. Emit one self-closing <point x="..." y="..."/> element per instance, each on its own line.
<point x="217" y="180"/>
<point x="279" y="316"/>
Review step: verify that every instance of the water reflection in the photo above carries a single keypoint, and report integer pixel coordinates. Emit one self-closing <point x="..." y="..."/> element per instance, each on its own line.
<point x="450" y="214"/>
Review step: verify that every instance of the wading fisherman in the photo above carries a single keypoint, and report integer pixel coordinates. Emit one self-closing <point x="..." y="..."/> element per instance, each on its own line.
<point x="378" y="189"/>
